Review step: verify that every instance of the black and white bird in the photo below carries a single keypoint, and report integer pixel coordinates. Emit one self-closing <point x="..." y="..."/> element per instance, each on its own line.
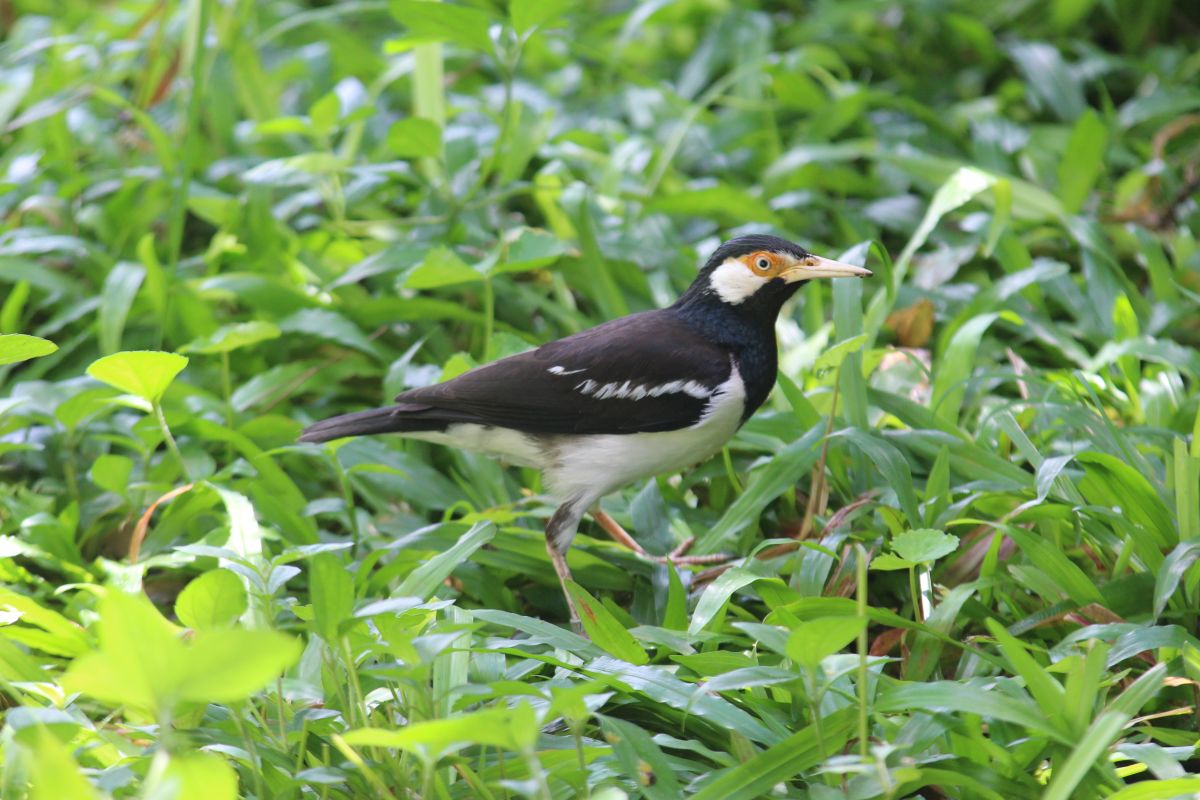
<point x="649" y="393"/>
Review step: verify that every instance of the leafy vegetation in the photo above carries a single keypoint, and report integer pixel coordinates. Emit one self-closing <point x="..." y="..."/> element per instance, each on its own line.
<point x="966" y="526"/>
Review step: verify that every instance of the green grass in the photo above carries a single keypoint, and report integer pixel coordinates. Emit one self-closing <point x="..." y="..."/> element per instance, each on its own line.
<point x="967" y="521"/>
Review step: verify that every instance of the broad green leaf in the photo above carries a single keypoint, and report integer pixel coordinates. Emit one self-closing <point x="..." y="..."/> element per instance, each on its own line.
<point x="968" y="699"/>
<point x="15" y="663"/>
<point x="225" y="665"/>
<point x="887" y="562"/>
<point x="890" y="464"/>
<point x="330" y="326"/>
<point x="145" y="373"/>
<point x="832" y="358"/>
<point x="111" y="472"/>
<point x="53" y="773"/>
<point x="233" y="337"/>
<point x="1112" y="482"/>
<point x="924" y="545"/>
<point x="638" y="754"/>
<point x="603" y="628"/>
<point x="956" y="366"/>
<point x="331" y="590"/>
<point x="193" y="776"/>
<point x="1083" y="759"/>
<point x="675" y="614"/>
<point x="716" y="202"/>
<point x="1187" y="490"/>
<point x="1068" y="578"/>
<point x="513" y="728"/>
<point x="1172" y="571"/>
<point x="660" y="685"/>
<point x="441" y="267"/>
<point x="528" y="14"/>
<point x="120" y="288"/>
<point x="811" y="641"/>
<point x="415" y="137"/>
<point x="424" y="580"/>
<point x="784" y="470"/>
<point x="215" y="599"/>
<point x="324" y="113"/>
<point x="1059" y="89"/>
<point x="961" y="186"/>
<point x="530" y="248"/>
<point x="1083" y="160"/>
<point x="140" y="661"/>
<point x="1048" y="692"/>
<point x="1169" y="789"/>
<point x="40" y="627"/>
<point x="445" y="22"/>
<point x="716" y="594"/>
<point x="540" y="631"/>
<point x="16" y="347"/>
<point x="782" y="761"/>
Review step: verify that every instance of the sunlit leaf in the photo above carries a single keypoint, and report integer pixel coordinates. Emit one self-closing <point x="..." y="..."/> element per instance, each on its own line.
<point x="811" y="641"/>
<point x="144" y="373"/>
<point x="415" y="137"/>
<point x="16" y="347"/>
<point x="215" y="599"/>
<point x="228" y="338"/>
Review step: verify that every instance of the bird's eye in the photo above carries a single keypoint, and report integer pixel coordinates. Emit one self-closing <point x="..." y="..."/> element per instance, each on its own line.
<point x="762" y="262"/>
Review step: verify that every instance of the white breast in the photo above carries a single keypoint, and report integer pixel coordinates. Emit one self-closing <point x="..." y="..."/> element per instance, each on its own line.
<point x="588" y="467"/>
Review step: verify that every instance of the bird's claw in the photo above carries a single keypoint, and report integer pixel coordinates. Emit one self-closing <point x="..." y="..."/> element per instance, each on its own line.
<point x="679" y="557"/>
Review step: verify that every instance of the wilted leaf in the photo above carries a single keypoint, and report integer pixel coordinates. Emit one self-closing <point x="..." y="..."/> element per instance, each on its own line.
<point x="913" y="325"/>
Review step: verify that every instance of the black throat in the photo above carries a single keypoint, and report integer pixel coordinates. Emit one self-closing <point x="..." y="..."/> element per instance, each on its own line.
<point x="747" y="330"/>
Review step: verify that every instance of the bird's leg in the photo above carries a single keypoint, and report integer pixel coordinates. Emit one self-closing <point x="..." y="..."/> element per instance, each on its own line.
<point x="614" y="529"/>
<point x="676" y="556"/>
<point x="560" y="530"/>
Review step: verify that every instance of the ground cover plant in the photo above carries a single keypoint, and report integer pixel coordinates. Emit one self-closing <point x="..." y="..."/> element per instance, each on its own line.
<point x="966" y="524"/>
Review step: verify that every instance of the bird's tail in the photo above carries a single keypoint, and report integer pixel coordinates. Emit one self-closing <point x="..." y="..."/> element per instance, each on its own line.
<point x="360" y="423"/>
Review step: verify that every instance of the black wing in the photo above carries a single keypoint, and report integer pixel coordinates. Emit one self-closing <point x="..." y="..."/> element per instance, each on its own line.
<point x="646" y="372"/>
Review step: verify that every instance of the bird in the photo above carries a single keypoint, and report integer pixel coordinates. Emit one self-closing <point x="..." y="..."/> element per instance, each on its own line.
<point x="650" y="393"/>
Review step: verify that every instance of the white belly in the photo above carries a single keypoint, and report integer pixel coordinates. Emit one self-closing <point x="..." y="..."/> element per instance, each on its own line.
<point x="512" y="446"/>
<point x="589" y="467"/>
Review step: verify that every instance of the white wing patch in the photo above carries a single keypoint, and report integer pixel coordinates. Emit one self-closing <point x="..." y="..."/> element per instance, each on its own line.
<point x="557" y="370"/>
<point x="629" y="391"/>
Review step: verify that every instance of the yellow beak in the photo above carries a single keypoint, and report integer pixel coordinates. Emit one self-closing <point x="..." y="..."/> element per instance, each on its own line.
<point x="817" y="267"/>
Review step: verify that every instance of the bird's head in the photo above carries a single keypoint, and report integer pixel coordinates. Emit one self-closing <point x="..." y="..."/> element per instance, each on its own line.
<point x="753" y="276"/>
<point x="753" y="269"/>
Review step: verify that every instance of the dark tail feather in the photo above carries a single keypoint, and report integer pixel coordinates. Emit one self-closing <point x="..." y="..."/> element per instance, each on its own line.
<point x="360" y="423"/>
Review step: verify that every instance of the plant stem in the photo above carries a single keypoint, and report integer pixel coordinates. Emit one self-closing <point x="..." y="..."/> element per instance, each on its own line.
<point x="170" y="440"/>
<point x="429" y="102"/>
<point x="191" y="120"/>
<point x="864" y="748"/>
<point x="489" y="319"/>
<point x="351" y="509"/>
<point x="814" y="704"/>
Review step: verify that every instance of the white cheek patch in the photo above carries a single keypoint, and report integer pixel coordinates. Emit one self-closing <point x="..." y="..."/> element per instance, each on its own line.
<point x="734" y="282"/>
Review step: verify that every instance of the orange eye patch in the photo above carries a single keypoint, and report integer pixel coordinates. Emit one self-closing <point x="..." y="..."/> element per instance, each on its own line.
<point x="763" y="263"/>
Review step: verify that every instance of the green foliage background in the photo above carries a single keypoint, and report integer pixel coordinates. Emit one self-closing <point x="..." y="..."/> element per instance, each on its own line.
<point x="966" y="524"/>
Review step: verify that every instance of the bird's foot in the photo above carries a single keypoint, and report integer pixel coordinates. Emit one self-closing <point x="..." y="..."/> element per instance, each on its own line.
<point x="679" y="556"/>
